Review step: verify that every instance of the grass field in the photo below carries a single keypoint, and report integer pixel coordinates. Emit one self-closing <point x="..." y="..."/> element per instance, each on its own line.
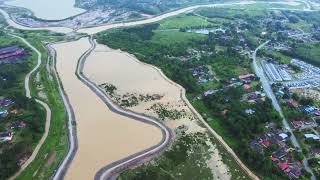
<point x="174" y="37"/>
<point x="183" y="21"/>
<point x="262" y="6"/>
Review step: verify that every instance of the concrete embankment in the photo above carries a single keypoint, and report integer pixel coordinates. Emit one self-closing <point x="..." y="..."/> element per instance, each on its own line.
<point x="129" y="74"/>
<point x="103" y="136"/>
<point x="16" y="25"/>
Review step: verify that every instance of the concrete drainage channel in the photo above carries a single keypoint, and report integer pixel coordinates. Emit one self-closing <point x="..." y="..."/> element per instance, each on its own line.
<point x="110" y="171"/>
<point x="72" y="133"/>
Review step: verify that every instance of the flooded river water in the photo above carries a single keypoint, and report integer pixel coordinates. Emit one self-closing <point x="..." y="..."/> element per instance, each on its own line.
<point x="49" y="9"/>
<point x="103" y="136"/>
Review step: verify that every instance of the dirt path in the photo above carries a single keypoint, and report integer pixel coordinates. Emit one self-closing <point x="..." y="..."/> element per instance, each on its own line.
<point x="43" y="104"/>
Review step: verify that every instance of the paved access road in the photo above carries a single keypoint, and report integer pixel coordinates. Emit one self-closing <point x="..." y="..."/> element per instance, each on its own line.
<point x="267" y="88"/>
<point x="43" y="104"/>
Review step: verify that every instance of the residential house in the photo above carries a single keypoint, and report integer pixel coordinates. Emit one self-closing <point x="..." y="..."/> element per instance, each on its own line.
<point x="10" y="52"/>
<point x="311" y="136"/>
<point x="247" y="77"/>
<point x="293" y="103"/>
<point x="310" y="109"/>
<point x="6" y="102"/>
<point x="297" y="124"/>
<point x="18" y="124"/>
<point x="250" y="111"/>
<point x="284" y="136"/>
<point x="295" y="172"/>
<point x="3" y="113"/>
<point x="208" y="92"/>
<point x="6" y="136"/>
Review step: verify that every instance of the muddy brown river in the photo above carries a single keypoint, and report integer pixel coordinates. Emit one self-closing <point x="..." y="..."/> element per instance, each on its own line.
<point x="103" y="136"/>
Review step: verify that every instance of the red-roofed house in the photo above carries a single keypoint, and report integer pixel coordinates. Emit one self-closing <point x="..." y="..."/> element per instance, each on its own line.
<point x="247" y="76"/>
<point x="266" y="143"/>
<point x="15" y="111"/>
<point x="293" y="103"/>
<point x="274" y="158"/>
<point x="295" y="172"/>
<point x="283" y="165"/>
<point x="246" y="86"/>
<point x="297" y="124"/>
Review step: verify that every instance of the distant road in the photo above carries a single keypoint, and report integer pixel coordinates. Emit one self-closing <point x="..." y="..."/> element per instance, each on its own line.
<point x="93" y="30"/>
<point x="23" y="27"/>
<point x="43" y="104"/>
<point x="103" y="27"/>
<point x="267" y="88"/>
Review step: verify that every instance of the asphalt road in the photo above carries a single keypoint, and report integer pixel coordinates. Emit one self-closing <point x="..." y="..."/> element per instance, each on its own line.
<point x="267" y="88"/>
<point x="43" y="104"/>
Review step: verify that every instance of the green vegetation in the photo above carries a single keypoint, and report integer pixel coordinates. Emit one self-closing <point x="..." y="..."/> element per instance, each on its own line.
<point x="180" y="54"/>
<point x="308" y="52"/>
<point x="56" y="146"/>
<point x="27" y="110"/>
<point x="128" y="99"/>
<point x="182" y="21"/>
<point x="146" y="6"/>
<point x="164" y="112"/>
<point x="54" y="149"/>
<point x="186" y="159"/>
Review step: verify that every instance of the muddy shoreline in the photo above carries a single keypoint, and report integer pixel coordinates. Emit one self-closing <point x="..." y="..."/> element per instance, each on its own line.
<point x="143" y="155"/>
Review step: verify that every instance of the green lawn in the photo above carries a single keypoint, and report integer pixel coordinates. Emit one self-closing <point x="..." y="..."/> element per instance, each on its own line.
<point x="262" y="6"/>
<point x="174" y="37"/>
<point x="183" y="21"/>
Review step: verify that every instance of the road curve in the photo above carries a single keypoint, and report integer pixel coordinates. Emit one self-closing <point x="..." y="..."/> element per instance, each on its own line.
<point x="43" y="104"/>
<point x="113" y="169"/>
<point x="16" y="25"/>
<point x="96" y="29"/>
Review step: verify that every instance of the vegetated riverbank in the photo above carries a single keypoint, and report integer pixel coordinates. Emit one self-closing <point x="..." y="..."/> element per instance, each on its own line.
<point x="184" y="57"/>
<point x="191" y="138"/>
<point x="41" y="82"/>
<point x="97" y="127"/>
<point x="93" y="29"/>
<point x="45" y="87"/>
<point x="17" y="107"/>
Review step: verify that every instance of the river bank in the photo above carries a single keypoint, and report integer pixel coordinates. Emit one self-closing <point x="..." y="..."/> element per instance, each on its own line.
<point x="93" y="29"/>
<point x="47" y="9"/>
<point x="97" y="127"/>
<point x="43" y="104"/>
<point x="130" y="76"/>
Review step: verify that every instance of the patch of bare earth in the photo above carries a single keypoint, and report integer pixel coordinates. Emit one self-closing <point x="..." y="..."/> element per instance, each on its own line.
<point x="127" y="75"/>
